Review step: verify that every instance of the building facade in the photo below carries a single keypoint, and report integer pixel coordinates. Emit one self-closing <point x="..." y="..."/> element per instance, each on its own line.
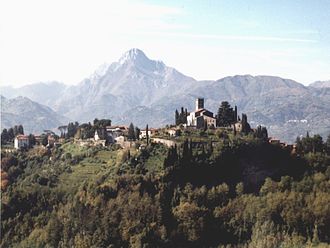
<point x="21" y="141"/>
<point x="201" y="116"/>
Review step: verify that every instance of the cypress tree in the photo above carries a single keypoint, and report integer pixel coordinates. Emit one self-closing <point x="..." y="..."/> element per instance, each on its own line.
<point x="177" y="117"/>
<point x="147" y="134"/>
<point x="131" y="133"/>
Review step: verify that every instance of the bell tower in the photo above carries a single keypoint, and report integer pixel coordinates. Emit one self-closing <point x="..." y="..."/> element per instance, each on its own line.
<point x="199" y="103"/>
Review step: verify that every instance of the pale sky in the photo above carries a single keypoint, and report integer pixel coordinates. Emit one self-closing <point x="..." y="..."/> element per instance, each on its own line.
<point x="66" y="40"/>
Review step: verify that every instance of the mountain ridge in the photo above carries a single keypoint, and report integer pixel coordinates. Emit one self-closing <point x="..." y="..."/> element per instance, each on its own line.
<point x="33" y="116"/>
<point x="116" y="90"/>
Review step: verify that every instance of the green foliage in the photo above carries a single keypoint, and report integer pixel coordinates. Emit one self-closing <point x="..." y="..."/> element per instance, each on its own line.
<point x="310" y="144"/>
<point x="181" y="118"/>
<point x="238" y="192"/>
<point x="72" y="129"/>
<point x="131" y="132"/>
<point x="7" y="136"/>
<point x="226" y="115"/>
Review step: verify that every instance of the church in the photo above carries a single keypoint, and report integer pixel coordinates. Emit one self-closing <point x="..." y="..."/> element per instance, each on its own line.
<point x="201" y="116"/>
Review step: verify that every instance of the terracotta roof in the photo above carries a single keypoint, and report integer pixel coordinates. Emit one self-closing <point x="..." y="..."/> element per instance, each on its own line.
<point x="21" y="136"/>
<point x="205" y="111"/>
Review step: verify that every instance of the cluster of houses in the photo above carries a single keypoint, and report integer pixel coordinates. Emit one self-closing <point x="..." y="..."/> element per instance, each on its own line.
<point x="196" y="119"/>
<point x="23" y="141"/>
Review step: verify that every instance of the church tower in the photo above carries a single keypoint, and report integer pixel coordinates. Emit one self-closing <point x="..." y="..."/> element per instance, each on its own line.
<point x="199" y="103"/>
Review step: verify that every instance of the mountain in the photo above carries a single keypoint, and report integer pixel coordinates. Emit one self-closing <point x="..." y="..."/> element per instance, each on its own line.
<point x="133" y="81"/>
<point x="321" y="84"/>
<point x="33" y="116"/>
<point x="46" y="93"/>
<point x="145" y="91"/>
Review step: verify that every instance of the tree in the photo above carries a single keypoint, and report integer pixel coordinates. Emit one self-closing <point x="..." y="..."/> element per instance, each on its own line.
<point x="44" y="140"/>
<point x="327" y="145"/>
<point x="103" y="123"/>
<point x="226" y="115"/>
<point x="4" y="136"/>
<point x="20" y="129"/>
<point x="172" y="157"/>
<point x="137" y="133"/>
<point x="310" y="144"/>
<point x="261" y="133"/>
<point x="317" y="143"/>
<point x="63" y="130"/>
<point x="181" y="118"/>
<point x="72" y="129"/>
<point x="32" y="140"/>
<point x="245" y="125"/>
<point x="147" y="134"/>
<point x="131" y="133"/>
<point x="11" y="134"/>
<point x="177" y="117"/>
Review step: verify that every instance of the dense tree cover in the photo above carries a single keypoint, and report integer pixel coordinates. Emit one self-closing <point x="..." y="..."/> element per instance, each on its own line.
<point x="261" y="133"/>
<point x="241" y="192"/>
<point x="86" y="130"/>
<point x="226" y="115"/>
<point x="181" y="118"/>
<point x="7" y="136"/>
<point x="72" y="129"/>
<point x="103" y="123"/>
<point x="312" y="144"/>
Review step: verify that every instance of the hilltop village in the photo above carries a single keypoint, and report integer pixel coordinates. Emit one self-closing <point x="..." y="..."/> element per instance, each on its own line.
<point x="103" y="133"/>
<point x="207" y="180"/>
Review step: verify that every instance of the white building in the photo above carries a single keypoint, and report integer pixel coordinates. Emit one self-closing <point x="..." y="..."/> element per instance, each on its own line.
<point x="151" y="132"/>
<point x="200" y="116"/>
<point x="115" y="132"/>
<point x="21" y="141"/>
<point x="172" y="132"/>
<point x="96" y="136"/>
<point x="143" y="134"/>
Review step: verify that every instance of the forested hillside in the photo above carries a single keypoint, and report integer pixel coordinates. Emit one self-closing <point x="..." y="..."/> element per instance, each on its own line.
<point x="242" y="192"/>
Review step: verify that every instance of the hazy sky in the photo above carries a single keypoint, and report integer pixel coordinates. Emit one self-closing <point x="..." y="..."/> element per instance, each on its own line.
<point x="66" y="40"/>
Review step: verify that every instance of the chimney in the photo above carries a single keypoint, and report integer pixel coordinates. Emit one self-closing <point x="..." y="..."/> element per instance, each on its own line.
<point x="199" y="103"/>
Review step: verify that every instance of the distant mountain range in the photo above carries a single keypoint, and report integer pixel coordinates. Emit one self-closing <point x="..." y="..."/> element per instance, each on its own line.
<point x="33" y="116"/>
<point x="144" y="91"/>
<point x="321" y="84"/>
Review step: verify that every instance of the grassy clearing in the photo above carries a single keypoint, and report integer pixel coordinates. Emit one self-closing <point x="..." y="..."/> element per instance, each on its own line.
<point x="74" y="149"/>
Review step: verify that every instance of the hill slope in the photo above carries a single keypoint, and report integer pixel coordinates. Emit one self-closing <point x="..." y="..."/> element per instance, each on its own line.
<point x="33" y="116"/>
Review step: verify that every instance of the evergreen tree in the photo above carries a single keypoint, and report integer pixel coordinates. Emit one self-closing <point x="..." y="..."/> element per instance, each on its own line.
<point x="4" y="136"/>
<point x="261" y="133"/>
<point x="327" y="145"/>
<point x="103" y="123"/>
<point x="245" y="125"/>
<point x="317" y="143"/>
<point x="44" y="139"/>
<point x="137" y="133"/>
<point x="20" y="129"/>
<point x="181" y="118"/>
<point x="32" y="140"/>
<point x="177" y="117"/>
<point x="147" y="134"/>
<point x="72" y="129"/>
<point x="172" y="157"/>
<point x="226" y="115"/>
<point x="131" y="133"/>
<point x="11" y="134"/>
